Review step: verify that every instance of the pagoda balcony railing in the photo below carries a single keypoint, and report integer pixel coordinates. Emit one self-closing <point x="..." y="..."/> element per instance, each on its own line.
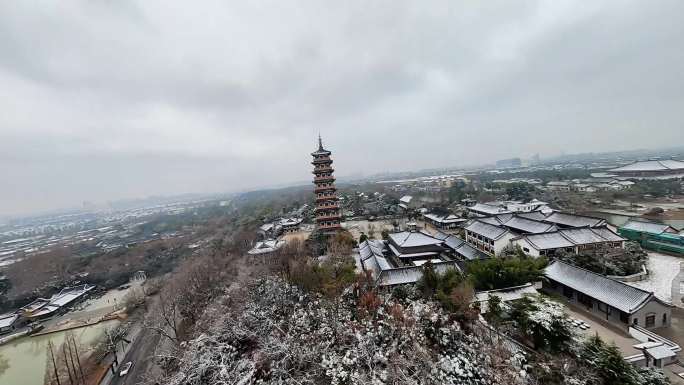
<point x="321" y="161"/>
<point x="327" y="198"/>
<point x="323" y="169"/>
<point x="329" y="227"/>
<point x="320" y="214"/>
<point x="327" y="217"/>
<point x="328" y="206"/>
<point x="324" y="188"/>
<point x="324" y="179"/>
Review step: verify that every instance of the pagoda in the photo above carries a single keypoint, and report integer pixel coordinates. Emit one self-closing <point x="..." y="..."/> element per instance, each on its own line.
<point x="327" y="207"/>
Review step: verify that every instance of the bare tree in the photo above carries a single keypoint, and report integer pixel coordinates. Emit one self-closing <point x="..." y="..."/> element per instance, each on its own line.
<point x="65" y="363"/>
<point x="164" y="318"/>
<point x="109" y="344"/>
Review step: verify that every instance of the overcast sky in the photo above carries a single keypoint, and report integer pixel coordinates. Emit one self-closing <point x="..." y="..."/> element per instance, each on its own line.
<point x="104" y="100"/>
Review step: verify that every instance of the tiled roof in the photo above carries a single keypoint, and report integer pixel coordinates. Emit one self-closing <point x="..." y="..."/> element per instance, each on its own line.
<point x="651" y="165"/>
<point x="6" y="320"/>
<point x="371" y="247"/>
<point x="267" y="246"/>
<point x="571" y="237"/>
<point x="413" y="239"/>
<point x="607" y="234"/>
<point x="412" y="274"/>
<point x="507" y="294"/>
<point x="572" y="220"/>
<point x="614" y="293"/>
<point x="470" y="253"/>
<point x="534" y="215"/>
<point x="486" y="230"/>
<point x="460" y="247"/>
<point x="440" y="235"/>
<point x="372" y="257"/>
<point x="444" y="219"/>
<point x="528" y="225"/>
<point x="582" y="236"/>
<point x="487" y="209"/>
<point x="548" y="241"/>
<point x="453" y="242"/>
<point x="646" y="227"/>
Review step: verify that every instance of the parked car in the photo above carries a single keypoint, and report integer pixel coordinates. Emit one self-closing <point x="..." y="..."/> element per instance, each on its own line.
<point x="125" y="368"/>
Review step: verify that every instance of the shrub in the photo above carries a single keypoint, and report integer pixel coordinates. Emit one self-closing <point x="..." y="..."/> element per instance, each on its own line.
<point x="544" y="322"/>
<point x="608" y="260"/>
<point x="497" y="273"/>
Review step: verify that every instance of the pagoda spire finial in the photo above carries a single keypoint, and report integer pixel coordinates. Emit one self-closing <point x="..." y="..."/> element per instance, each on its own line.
<point x="320" y="142"/>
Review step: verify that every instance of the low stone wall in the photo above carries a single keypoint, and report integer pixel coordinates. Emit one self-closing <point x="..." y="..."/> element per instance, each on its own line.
<point x="631" y="278"/>
<point x="10" y="337"/>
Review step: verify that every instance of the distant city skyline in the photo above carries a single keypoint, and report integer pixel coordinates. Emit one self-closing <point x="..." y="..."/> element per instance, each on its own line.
<point x="112" y="100"/>
<point x="344" y="179"/>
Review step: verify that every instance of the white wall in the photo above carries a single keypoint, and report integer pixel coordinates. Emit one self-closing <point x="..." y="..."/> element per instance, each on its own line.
<point x="526" y="245"/>
<point x="503" y="242"/>
<point x="652" y="306"/>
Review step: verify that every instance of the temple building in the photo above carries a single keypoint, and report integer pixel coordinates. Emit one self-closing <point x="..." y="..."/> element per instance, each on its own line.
<point x="327" y="208"/>
<point x="651" y="169"/>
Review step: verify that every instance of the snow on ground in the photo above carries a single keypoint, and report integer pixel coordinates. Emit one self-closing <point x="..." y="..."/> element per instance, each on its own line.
<point x="662" y="270"/>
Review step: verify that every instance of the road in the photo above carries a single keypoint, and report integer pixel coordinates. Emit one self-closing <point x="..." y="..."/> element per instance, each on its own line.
<point x="140" y="353"/>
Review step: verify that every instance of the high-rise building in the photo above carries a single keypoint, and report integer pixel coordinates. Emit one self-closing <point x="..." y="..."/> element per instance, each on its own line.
<point x="509" y="163"/>
<point x="327" y="206"/>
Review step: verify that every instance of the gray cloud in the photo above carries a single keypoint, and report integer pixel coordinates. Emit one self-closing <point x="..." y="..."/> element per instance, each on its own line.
<point x="103" y="100"/>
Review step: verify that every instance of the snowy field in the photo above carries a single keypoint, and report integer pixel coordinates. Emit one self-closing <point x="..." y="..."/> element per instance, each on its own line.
<point x="662" y="268"/>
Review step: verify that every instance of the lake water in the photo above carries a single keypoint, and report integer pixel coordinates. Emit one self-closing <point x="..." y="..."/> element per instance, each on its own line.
<point x="23" y="361"/>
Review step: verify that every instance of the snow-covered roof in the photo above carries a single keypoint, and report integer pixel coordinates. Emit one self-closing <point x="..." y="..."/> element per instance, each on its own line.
<point x="647" y="227"/>
<point x="372" y="257"/>
<point x="266" y="227"/>
<point x="460" y="247"/>
<point x="413" y="239"/>
<point x="661" y="351"/>
<point x="651" y="165"/>
<point x="451" y="218"/>
<point x="424" y="261"/>
<point x="572" y="220"/>
<point x="488" y="209"/>
<point x="70" y="294"/>
<point x="507" y="294"/>
<point x="42" y="306"/>
<point x="470" y="253"/>
<point x="571" y="237"/>
<point x="614" y="293"/>
<point x="45" y="310"/>
<point x="6" y="320"/>
<point x="547" y="241"/>
<point x="582" y="236"/>
<point x="486" y="230"/>
<point x="525" y="225"/>
<point x="267" y="246"/>
<point x="411" y="274"/>
<point x="534" y="215"/>
<point x="290" y="221"/>
<point x="421" y="254"/>
<point x="406" y="199"/>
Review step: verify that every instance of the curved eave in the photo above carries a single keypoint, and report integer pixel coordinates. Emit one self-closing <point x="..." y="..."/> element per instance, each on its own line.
<point x="647" y="300"/>
<point x="321" y="152"/>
